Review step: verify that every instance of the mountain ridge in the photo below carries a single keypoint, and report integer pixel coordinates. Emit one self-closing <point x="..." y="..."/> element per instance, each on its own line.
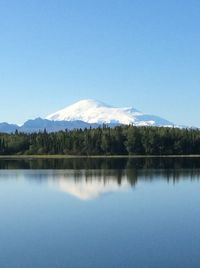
<point x="87" y="114"/>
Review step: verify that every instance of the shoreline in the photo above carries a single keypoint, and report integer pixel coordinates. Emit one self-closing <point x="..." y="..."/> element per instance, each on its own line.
<point x="30" y="157"/>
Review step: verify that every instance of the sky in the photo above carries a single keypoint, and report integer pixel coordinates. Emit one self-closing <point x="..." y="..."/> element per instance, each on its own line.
<point x="139" y="53"/>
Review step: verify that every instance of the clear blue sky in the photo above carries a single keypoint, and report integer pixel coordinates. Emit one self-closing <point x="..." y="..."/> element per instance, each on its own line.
<point x="140" y="53"/>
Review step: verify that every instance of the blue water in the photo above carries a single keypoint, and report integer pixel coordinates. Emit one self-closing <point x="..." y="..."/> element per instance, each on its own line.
<point x="99" y="218"/>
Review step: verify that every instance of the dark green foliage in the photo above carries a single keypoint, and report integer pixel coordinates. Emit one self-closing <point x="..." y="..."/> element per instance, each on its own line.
<point x="124" y="140"/>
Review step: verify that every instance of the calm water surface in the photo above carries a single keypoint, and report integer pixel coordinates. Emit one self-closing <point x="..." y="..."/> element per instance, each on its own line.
<point x="100" y="213"/>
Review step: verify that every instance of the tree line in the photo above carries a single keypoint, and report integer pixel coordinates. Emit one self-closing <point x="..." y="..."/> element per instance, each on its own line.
<point x="121" y="140"/>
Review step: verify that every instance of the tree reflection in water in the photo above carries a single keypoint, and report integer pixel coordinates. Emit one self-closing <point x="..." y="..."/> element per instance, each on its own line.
<point x="89" y="178"/>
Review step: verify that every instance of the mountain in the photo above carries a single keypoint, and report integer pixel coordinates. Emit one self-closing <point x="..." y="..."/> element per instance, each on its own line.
<point x="86" y="114"/>
<point x="40" y="124"/>
<point x="8" y="128"/>
<point x="91" y="111"/>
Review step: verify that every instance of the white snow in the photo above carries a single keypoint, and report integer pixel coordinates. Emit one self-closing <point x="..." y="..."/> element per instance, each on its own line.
<point x="92" y="111"/>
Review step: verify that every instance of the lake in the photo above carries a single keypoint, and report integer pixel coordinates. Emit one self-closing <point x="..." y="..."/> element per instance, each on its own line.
<point x="71" y="213"/>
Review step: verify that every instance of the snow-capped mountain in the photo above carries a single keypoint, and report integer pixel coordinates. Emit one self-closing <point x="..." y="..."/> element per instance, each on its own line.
<point x="87" y="114"/>
<point x="91" y="111"/>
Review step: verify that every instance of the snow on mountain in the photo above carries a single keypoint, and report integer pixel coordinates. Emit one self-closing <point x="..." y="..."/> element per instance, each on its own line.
<point x="91" y="111"/>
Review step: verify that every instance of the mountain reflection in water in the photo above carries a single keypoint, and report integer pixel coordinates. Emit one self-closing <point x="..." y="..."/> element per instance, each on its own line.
<point x="88" y="179"/>
<point x="136" y="212"/>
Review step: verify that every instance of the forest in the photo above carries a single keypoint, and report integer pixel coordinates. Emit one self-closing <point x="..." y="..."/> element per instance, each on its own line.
<point x="121" y="140"/>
